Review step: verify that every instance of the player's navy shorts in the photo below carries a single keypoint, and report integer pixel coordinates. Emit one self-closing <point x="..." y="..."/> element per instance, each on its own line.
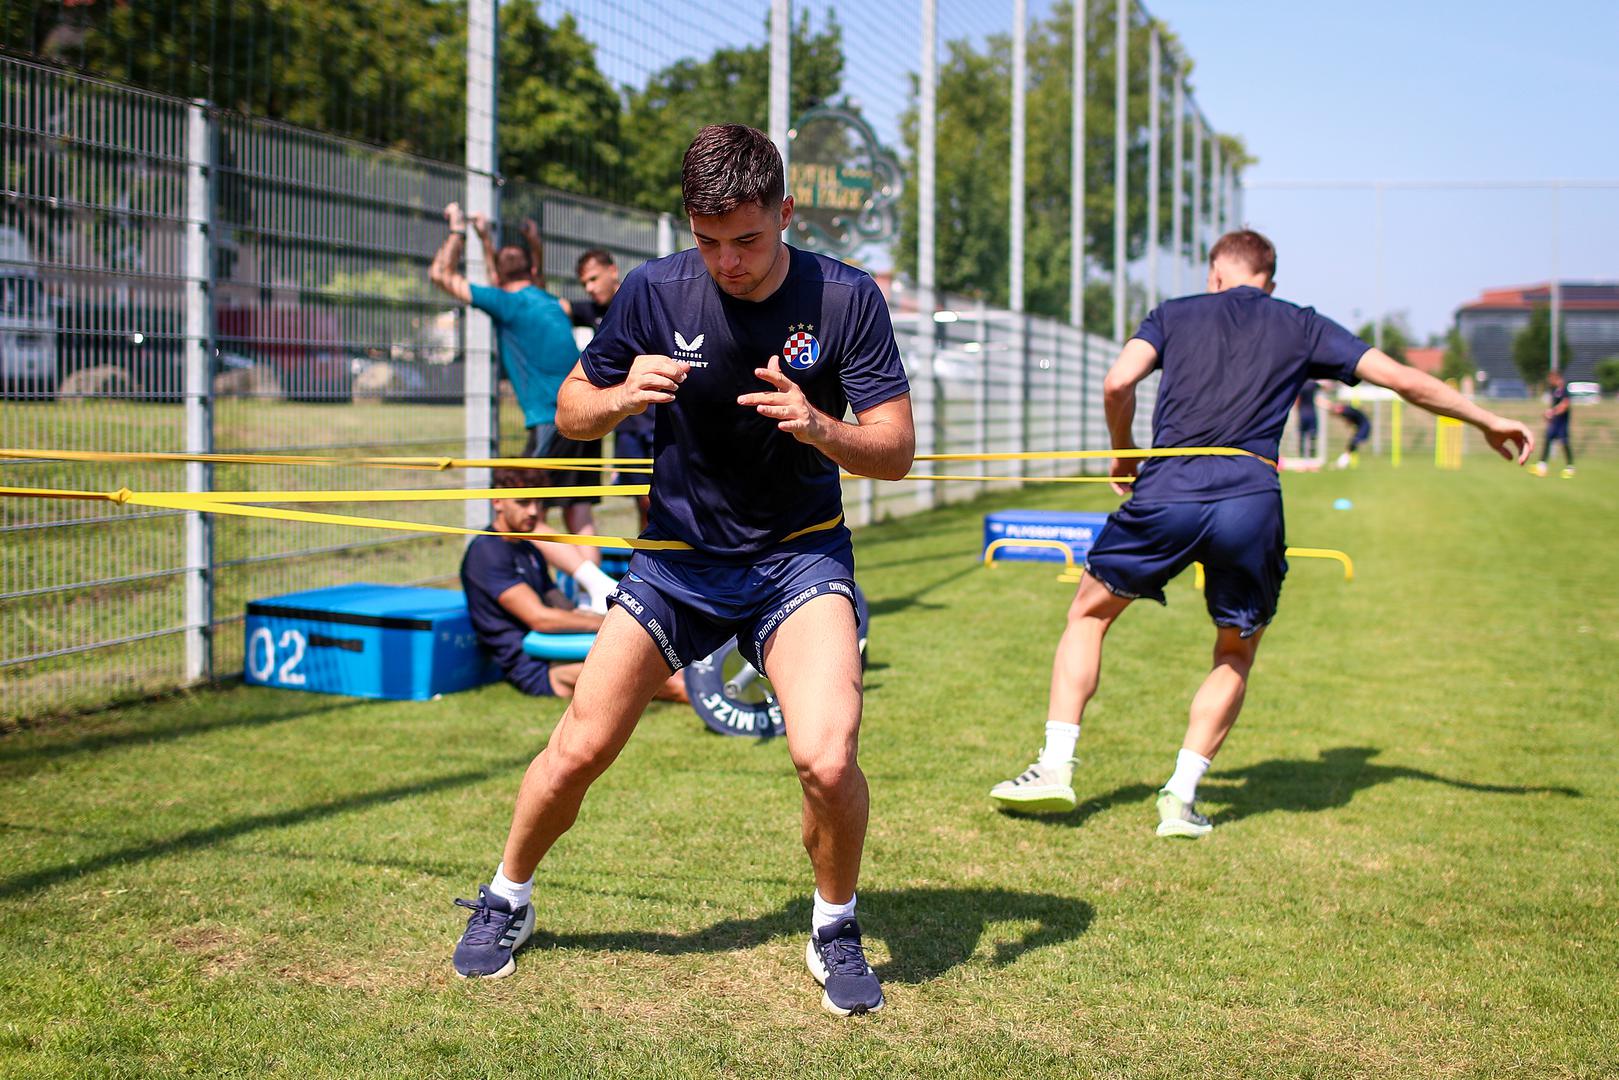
<point x="1238" y="541"/>
<point x="691" y="609"/>
<point x="544" y="441"/>
<point x="531" y="675"/>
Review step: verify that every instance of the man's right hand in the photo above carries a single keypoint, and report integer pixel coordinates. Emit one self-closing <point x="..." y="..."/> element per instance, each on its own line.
<point x="480" y="223"/>
<point x="652" y="380"/>
<point x="1509" y="438"/>
<point x="1123" y="467"/>
<point x="457" y="219"/>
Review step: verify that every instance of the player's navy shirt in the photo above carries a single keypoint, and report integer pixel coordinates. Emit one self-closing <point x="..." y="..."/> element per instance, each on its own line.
<point x="490" y="566"/>
<point x="1233" y="363"/>
<point x="1558" y="424"/>
<point x="724" y="479"/>
<point x="536" y="345"/>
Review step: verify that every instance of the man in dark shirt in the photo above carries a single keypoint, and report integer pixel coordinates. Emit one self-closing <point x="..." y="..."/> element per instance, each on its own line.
<point x="1361" y="426"/>
<point x="1556" y="425"/>
<point x="753" y="352"/>
<point x="509" y="592"/>
<point x="598" y="276"/>
<point x="1307" y="419"/>
<point x="537" y="350"/>
<point x="1233" y="361"/>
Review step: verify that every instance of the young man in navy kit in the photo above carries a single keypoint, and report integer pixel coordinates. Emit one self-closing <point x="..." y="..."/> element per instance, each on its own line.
<point x="1233" y="361"/>
<point x="752" y="351"/>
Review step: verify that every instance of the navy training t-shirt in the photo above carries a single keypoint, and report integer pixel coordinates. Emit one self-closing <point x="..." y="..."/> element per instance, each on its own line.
<point x="1233" y="363"/>
<point x="724" y="479"/>
<point x="1558" y="424"/>
<point x="490" y="566"/>
<point x="537" y="349"/>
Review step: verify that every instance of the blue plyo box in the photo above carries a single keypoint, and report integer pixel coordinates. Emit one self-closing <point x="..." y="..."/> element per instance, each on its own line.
<point x="1076" y="529"/>
<point x="380" y="641"/>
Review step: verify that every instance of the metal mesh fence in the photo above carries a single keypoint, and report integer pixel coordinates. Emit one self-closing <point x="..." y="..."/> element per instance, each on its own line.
<point x="309" y="324"/>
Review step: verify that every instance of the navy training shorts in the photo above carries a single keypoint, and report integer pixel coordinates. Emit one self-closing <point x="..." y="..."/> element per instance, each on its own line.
<point x="690" y="609"/>
<point x="1239" y="541"/>
<point x="544" y="441"/>
<point x="632" y="444"/>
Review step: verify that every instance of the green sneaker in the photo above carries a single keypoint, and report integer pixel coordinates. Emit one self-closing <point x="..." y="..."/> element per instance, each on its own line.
<point x="1039" y="789"/>
<point x="1176" y="818"/>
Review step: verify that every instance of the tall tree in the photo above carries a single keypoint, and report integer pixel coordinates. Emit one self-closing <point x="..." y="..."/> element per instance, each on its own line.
<point x="1458" y="359"/>
<point x="973" y="148"/>
<point x="732" y="86"/>
<point x="1396" y="336"/>
<point x="1532" y="346"/>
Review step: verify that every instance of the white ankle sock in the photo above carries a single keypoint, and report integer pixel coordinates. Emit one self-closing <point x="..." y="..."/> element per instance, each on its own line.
<point x="826" y="913"/>
<point x="1060" y="740"/>
<point x="514" y="893"/>
<point x="1189" y="769"/>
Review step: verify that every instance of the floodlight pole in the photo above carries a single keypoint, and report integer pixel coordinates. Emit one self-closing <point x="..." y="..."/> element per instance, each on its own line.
<point x="1216" y="194"/>
<point x="1557" y="284"/>
<point x="1197" y="188"/>
<point x="926" y="300"/>
<point x="1121" y="160"/>
<point x="1020" y="88"/>
<point x="1154" y="177"/>
<point x="479" y="395"/>
<point x="1177" y="199"/>
<point x="1377" y="313"/>
<point x="781" y="78"/>
<point x="1076" y="180"/>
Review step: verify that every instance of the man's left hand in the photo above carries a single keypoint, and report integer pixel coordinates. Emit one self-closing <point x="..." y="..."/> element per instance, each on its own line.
<point x="787" y="405"/>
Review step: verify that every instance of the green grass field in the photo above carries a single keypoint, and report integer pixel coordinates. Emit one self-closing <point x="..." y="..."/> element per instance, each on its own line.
<point x="1411" y="875"/>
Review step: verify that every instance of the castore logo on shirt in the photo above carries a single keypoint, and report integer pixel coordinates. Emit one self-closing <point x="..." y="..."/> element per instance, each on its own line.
<point x="690" y="351"/>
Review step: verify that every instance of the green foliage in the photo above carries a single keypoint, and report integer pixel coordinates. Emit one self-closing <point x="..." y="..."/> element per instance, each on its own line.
<point x="973" y="148"/>
<point x="1396" y="336"/>
<point x="1607" y="373"/>
<point x="559" y="116"/>
<point x="1532" y="346"/>
<point x="732" y="86"/>
<point x="1458" y="359"/>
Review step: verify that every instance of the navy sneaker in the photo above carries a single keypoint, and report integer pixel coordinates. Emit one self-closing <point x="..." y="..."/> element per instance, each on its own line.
<point x="838" y="961"/>
<point x="494" y="932"/>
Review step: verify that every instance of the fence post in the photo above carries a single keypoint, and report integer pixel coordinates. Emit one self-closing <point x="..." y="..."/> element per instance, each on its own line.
<point x="666" y="234"/>
<point x="781" y="80"/>
<point x="1121" y="163"/>
<point x="481" y="401"/>
<point x="927" y="86"/>
<point x="199" y="393"/>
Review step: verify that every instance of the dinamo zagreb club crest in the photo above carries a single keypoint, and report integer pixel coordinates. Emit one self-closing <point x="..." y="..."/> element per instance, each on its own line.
<point x="801" y="350"/>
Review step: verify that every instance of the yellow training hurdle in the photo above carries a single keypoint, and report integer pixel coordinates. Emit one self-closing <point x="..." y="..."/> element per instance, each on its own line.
<point x="1447" y="443"/>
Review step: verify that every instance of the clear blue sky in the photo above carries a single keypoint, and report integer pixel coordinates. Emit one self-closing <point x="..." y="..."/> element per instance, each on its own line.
<point x="1416" y="91"/>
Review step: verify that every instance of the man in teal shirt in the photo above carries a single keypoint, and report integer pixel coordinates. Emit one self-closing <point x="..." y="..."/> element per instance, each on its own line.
<point x="537" y="352"/>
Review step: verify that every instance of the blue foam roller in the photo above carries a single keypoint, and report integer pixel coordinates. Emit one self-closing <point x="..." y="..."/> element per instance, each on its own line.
<point x="558" y="646"/>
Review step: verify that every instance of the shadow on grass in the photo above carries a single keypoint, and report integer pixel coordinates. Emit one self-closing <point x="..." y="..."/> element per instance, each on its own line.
<point x="287" y="706"/>
<point x="210" y="835"/>
<point x="888" y="605"/>
<point x="1297" y="786"/>
<point x="1292" y="785"/>
<point x="927" y="931"/>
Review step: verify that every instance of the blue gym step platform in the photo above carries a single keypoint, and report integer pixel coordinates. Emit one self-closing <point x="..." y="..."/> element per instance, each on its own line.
<point x="399" y="642"/>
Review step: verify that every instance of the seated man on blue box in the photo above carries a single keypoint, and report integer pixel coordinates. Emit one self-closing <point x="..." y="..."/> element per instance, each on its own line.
<point x="510" y="592"/>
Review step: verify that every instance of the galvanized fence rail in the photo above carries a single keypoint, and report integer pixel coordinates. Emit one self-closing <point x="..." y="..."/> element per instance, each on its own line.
<point x="178" y="278"/>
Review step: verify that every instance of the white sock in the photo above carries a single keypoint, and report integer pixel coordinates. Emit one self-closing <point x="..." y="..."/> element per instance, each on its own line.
<point x="596" y="585"/>
<point x="515" y="894"/>
<point x="1060" y="740"/>
<point x="1189" y="769"/>
<point x="826" y="913"/>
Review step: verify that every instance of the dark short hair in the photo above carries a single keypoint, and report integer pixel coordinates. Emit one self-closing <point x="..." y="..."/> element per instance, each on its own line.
<point x="513" y="478"/>
<point x="512" y="262"/>
<point x="596" y="255"/>
<point x="1248" y="247"/>
<point x="727" y="166"/>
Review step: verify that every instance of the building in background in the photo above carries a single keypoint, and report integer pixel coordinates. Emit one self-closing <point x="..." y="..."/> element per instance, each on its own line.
<point x="1590" y="315"/>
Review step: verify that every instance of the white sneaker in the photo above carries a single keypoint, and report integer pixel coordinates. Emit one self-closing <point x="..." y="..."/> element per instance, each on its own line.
<point x="1342" y="462"/>
<point x="1540" y="468"/>
<point x="1039" y="789"/>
